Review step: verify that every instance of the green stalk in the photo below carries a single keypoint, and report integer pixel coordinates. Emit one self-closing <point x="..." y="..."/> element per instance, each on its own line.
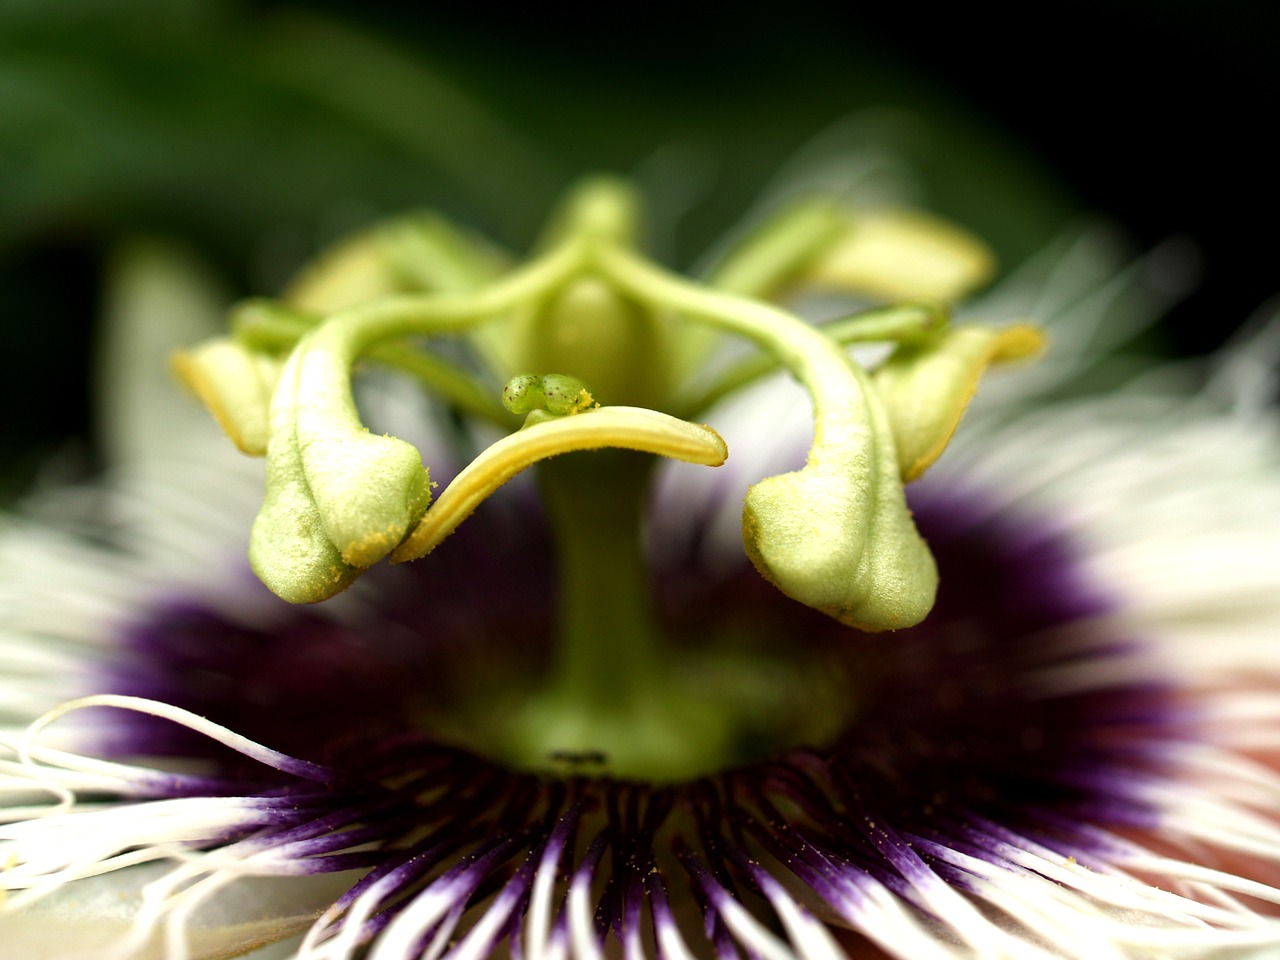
<point x="612" y="698"/>
<point x="607" y="655"/>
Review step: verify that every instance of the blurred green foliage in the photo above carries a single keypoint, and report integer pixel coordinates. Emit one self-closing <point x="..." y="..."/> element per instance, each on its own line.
<point x="218" y="120"/>
<point x="257" y="132"/>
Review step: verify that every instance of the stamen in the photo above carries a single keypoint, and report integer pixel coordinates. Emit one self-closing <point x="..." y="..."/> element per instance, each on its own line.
<point x="419" y="251"/>
<point x="235" y="385"/>
<point x="835" y="535"/>
<point x="926" y="387"/>
<point x="628" y="428"/>
<point x="775" y="251"/>
<point x="343" y="495"/>
<point x="893" y="254"/>
<point x="338" y="498"/>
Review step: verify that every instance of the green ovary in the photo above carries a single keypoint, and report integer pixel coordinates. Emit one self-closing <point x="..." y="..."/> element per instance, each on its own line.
<point x="587" y="329"/>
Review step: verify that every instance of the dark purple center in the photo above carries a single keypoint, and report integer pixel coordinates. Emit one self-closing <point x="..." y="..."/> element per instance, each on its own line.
<point x="1004" y="715"/>
<point x="323" y="684"/>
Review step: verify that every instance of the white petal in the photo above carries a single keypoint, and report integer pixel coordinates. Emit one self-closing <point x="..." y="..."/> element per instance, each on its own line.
<point x="90" y="919"/>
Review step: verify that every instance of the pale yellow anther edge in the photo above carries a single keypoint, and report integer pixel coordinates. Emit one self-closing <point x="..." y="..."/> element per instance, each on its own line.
<point x="627" y="428"/>
<point x="235" y="385"/>
<point x="926" y="390"/>
<point x="901" y="254"/>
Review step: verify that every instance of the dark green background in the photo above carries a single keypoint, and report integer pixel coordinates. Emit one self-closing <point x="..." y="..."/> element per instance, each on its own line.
<point x="255" y="131"/>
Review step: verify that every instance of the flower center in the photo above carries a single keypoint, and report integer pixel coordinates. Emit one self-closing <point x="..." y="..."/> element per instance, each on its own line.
<point x="605" y="353"/>
<point x="620" y="697"/>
